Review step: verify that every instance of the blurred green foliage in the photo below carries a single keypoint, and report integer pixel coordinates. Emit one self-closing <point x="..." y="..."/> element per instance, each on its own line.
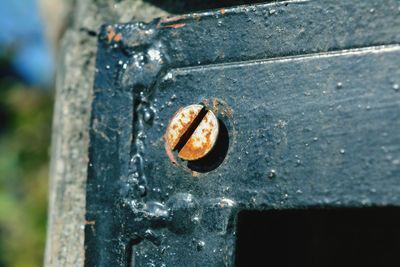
<point x="25" y="129"/>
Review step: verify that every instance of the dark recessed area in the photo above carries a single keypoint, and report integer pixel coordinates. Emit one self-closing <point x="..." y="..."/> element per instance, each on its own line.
<point x="181" y="7"/>
<point x="368" y="237"/>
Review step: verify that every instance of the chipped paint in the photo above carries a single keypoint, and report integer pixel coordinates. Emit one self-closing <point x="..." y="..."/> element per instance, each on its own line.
<point x="171" y="19"/>
<point x="175" y="26"/>
<point x="112" y="35"/>
<point x="171" y="22"/>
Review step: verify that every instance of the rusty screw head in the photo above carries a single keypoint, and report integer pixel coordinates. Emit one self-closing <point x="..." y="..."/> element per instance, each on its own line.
<point x="192" y="131"/>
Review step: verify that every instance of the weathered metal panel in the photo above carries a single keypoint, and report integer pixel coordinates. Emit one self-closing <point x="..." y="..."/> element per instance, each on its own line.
<point x="308" y="92"/>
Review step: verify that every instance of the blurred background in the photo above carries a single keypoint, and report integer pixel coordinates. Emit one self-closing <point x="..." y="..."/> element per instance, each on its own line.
<point x="26" y="103"/>
<point x="29" y="37"/>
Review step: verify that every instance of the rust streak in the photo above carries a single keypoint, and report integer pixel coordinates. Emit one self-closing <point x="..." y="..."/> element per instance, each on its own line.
<point x="171" y="19"/>
<point x="118" y="37"/>
<point x="175" y="26"/>
<point x="169" y="152"/>
<point x="90" y="222"/>
<point x="112" y="35"/>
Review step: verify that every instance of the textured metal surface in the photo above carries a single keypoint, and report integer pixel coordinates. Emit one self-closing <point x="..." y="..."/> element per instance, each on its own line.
<point x="307" y="93"/>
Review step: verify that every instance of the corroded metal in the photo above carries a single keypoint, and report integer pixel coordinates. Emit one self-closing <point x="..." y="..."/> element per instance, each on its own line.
<point x="192" y="132"/>
<point x="278" y="67"/>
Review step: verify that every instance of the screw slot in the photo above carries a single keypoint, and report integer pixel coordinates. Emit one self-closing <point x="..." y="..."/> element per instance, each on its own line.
<point x="189" y="132"/>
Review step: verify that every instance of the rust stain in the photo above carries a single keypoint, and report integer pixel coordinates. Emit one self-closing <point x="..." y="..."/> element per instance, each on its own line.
<point x="191" y="151"/>
<point x="90" y="222"/>
<point x="222" y="10"/>
<point x="171" y="19"/>
<point x="171" y="22"/>
<point x="118" y="37"/>
<point x="220" y="107"/>
<point x="169" y="152"/>
<point x="228" y="111"/>
<point x="112" y="35"/>
<point x="175" y="26"/>
<point x="215" y="105"/>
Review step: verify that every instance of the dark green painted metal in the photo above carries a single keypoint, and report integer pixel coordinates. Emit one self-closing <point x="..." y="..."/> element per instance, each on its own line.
<point x="309" y="94"/>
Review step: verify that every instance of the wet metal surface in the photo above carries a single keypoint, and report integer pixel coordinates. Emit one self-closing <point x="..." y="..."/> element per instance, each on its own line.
<point x="306" y="94"/>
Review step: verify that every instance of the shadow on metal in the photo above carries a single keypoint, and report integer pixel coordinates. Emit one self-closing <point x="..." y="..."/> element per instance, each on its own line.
<point x="181" y="7"/>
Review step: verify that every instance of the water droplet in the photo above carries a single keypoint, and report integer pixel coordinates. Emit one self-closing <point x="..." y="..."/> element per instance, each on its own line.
<point x="156" y="189"/>
<point x="148" y="115"/>
<point x="339" y="85"/>
<point x="200" y="245"/>
<point x="142" y="190"/>
<point x="196" y="219"/>
<point x="272" y="174"/>
<point x="396" y="87"/>
<point x="141" y="136"/>
<point x="168" y="76"/>
<point x="342" y="151"/>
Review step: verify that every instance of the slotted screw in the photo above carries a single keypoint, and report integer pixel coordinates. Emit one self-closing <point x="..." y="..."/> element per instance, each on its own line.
<point x="192" y="131"/>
